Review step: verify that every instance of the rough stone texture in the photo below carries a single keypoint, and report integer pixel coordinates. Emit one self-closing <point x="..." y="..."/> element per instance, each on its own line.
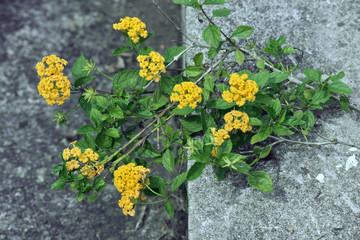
<point x="30" y="143"/>
<point x="316" y="192"/>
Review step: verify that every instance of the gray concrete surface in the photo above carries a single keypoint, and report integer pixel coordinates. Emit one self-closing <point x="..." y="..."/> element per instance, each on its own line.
<point x="30" y="143"/>
<point x="316" y="190"/>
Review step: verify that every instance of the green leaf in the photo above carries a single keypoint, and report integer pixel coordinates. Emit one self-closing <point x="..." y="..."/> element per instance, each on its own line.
<point x="190" y="3"/>
<point x="344" y="103"/>
<point x="321" y="97"/>
<point x="288" y="50"/>
<point x="309" y="118"/>
<point x="143" y="113"/>
<point x="293" y="121"/>
<point x="265" y="152"/>
<point x="220" y="104"/>
<point x="207" y="121"/>
<point x="172" y="52"/>
<point x="214" y="2"/>
<point x="261" y="78"/>
<point x="60" y="183"/>
<point x="102" y="102"/>
<point x="103" y="141"/>
<point x="178" y="180"/>
<point x="308" y="94"/>
<point x="85" y="105"/>
<point x="146" y="51"/>
<point x="261" y="181"/>
<point x="57" y="169"/>
<point x="78" y="177"/>
<point x="264" y="133"/>
<point x="80" y="196"/>
<point x="192" y="123"/>
<point x="282" y="130"/>
<point x="260" y="64"/>
<point x="77" y="70"/>
<point x="116" y="112"/>
<point x="242" y="32"/>
<point x="148" y="151"/>
<point x="184" y="111"/>
<point x="160" y="103"/>
<point x="222" y="87"/>
<point x="313" y="75"/>
<point x="278" y="77"/>
<point x="198" y="59"/>
<point x="113" y="132"/>
<point x="83" y="80"/>
<point x="195" y="171"/>
<point x="209" y="82"/>
<point x="255" y="122"/>
<point x="193" y="71"/>
<point x="220" y="172"/>
<point x="88" y="137"/>
<point x="157" y="184"/>
<point x="336" y="77"/>
<point x="125" y="79"/>
<point x="339" y="87"/>
<point x="222" y="12"/>
<point x="120" y="50"/>
<point x="99" y="184"/>
<point x="169" y="208"/>
<point x="167" y="84"/>
<point x="168" y="160"/>
<point x="95" y="117"/>
<point x="92" y="197"/>
<point x="239" y="57"/>
<point x="211" y="35"/>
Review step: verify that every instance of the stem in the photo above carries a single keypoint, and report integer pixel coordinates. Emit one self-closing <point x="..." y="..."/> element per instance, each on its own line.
<point x="160" y="195"/>
<point x="72" y="111"/>
<point x="97" y="70"/>
<point x="146" y="203"/>
<point x="264" y="58"/>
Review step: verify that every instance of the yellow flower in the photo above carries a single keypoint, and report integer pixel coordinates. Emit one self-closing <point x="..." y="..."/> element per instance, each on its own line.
<point x="220" y="136"/>
<point x="133" y="27"/>
<point x="187" y="94"/>
<point x="75" y="152"/>
<point x="71" y="165"/>
<point x="151" y="66"/>
<point x="129" y="180"/>
<point x="235" y="120"/>
<point x="53" y="85"/>
<point x="83" y="158"/>
<point x="66" y="154"/>
<point x="240" y="90"/>
<point x="90" y="171"/>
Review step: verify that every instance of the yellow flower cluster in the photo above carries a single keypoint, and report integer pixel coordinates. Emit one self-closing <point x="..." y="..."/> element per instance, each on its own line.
<point x="129" y="180"/>
<point x="186" y="93"/>
<point x="134" y="27"/>
<point x="240" y="90"/>
<point x="91" y="169"/>
<point x="53" y="85"/>
<point x="151" y="66"/>
<point x="237" y="120"/>
<point x="219" y="138"/>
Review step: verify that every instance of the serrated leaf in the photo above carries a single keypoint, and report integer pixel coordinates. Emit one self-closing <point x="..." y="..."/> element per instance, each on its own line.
<point x="112" y="132"/>
<point x="209" y="83"/>
<point x="264" y="133"/>
<point x="239" y="57"/>
<point x="57" y="169"/>
<point x="261" y="78"/>
<point x="168" y="160"/>
<point x="313" y="75"/>
<point x="95" y="117"/>
<point x="242" y="32"/>
<point x="207" y="121"/>
<point x="169" y="208"/>
<point x="192" y="123"/>
<point x="255" y="122"/>
<point x="260" y="64"/>
<point x="125" y="79"/>
<point x="214" y="2"/>
<point x="178" y="180"/>
<point x="190" y="3"/>
<point x="172" y="52"/>
<point x="288" y="50"/>
<point x="222" y="87"/>
<point x="120" y="50"/>
<point x="80" y="196"/>
<point x="103" y="141"/>
<point x="223" y="12"/>
<point x="344" y="103"/>
<point x="278" y="77"/>
<point x="320" y="97"/>
<point x="195" y="171"/>
<point x="60" y="183"/>
<point x="220" y="104"/>
<point x="193" y="71"/>
<point x="145" y="51"/>
<point x="282" y="130"/>
<point x="92" y="197"/>
<point x="261" y="181"/>
<point x="77" y="70"/>
<point x="83" y="80"/>
<point x="198" y="58"/>
<point x="336" y="77"/>
<point x="116" y="112"/>
<point x="99" y="184"/>
<point x="339" y="87"/>
<point x="183" y="111"/>
<point x="211" y="35"/>
<point x="265" y="152"/>
<point x="102" y="102"/>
